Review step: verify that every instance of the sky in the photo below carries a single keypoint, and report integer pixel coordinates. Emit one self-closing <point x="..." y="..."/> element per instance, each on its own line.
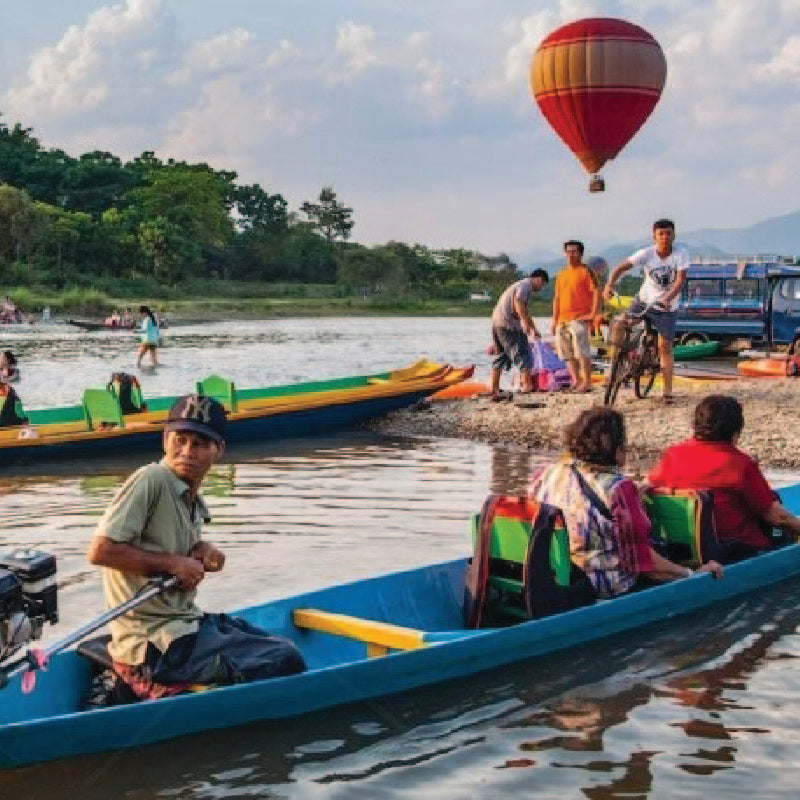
<point x="419" y="114"/>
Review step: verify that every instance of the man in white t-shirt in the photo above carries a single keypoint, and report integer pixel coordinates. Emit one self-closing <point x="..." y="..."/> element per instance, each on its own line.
<point x="664" y="268"/>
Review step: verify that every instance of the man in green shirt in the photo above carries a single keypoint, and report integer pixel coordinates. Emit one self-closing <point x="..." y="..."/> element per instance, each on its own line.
<point x="152" y="527"/>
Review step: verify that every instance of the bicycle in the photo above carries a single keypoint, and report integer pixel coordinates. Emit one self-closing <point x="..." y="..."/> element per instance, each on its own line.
<point x="636" y="359"/>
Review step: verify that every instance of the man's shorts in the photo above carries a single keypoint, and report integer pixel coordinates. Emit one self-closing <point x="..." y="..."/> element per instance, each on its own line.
<point x="663" y="321"/>
<point x="513" y="348"/>
<point x="573" y="340"/>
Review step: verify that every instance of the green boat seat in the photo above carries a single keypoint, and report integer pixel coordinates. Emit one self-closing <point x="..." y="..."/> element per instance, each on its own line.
<point x="683" y="524"/>
<point x="102" y="409"/>
<point x="220" y="389"/>
<point x="528" y="571"/>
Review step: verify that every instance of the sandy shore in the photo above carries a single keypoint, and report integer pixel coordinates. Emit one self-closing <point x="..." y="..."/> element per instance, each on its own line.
<point x="771" y="433"/>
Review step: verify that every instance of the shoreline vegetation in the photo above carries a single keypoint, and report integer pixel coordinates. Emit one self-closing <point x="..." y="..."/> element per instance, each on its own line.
<point x="89" y="233"/>
<point x="260" y="301"/>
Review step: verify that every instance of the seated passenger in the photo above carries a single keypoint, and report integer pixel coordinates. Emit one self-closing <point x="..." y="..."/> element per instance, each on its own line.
<point x="153" y="527"/>
<point x="8" y="367"/>
<point x="607" y="526"/>
<point x="745" y="507"/>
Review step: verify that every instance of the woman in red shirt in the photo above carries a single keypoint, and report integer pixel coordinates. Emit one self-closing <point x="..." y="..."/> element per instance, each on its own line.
<point x="746" y="509"/>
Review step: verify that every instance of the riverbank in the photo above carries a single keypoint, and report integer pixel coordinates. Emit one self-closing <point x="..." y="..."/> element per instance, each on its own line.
<point x="220" y="301"/>
<point x="651" y="426"/>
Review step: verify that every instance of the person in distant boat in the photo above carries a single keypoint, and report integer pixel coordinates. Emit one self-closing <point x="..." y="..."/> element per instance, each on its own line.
<point x="511" y="326"/>
<point x="664" y="267"/>
<point x="576" y="302"/>
<point x="153" y="527"/>
<point x="9" y="371"/>
<point x="150" y="337"/>
<point x="606" y="523"/>
<point x="746" y="509"/>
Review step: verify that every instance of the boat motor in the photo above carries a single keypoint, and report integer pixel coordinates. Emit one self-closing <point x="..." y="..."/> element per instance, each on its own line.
<point x="28" y="597"/>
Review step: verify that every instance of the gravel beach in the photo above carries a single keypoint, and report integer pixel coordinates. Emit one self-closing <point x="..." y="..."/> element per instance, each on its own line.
<point x="771" y="433"/>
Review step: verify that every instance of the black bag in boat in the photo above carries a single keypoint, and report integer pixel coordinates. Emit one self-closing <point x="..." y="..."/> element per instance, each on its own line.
<point x="8" y="407"/>
<point x="126" y="388"/>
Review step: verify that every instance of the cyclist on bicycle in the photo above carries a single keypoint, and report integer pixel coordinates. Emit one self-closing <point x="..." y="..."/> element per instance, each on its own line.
<point x="664" y="268"/>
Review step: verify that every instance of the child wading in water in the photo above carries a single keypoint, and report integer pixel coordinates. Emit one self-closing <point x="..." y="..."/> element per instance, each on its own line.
<point x="150" y="336"/>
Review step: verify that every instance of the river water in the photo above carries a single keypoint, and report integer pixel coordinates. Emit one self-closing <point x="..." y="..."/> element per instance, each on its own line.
<point x="705" y="704"/>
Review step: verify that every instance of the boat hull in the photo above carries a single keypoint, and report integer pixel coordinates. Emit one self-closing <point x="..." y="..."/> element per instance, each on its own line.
<point x="46" y="725"/>
<point x="269" y="413"/>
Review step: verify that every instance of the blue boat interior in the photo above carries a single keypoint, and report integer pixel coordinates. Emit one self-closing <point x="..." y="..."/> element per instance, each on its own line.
<point x="428" y="599"/>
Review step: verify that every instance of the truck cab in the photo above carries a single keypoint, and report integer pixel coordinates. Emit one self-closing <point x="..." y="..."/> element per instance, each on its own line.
<point x="758" y="301"/>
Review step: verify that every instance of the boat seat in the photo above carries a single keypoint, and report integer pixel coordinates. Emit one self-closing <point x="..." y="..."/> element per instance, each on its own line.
<point x="102" y="409"/>
<point x="683" y="524"/>
<point x="220" y="389"/>
<point x="529" y="570"/>
<point x="379" y="637"/>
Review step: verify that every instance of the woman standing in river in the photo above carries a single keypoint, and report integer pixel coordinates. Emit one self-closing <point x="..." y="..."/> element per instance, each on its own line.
<point x="150" y="337"/>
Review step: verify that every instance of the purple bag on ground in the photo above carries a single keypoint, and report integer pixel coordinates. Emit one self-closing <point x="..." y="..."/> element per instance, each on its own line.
<point x="549" y="372"/>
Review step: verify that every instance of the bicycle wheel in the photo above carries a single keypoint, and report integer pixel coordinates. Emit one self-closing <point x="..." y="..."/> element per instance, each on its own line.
<point x="648" y="367"/>
<point x="619" y="369"/>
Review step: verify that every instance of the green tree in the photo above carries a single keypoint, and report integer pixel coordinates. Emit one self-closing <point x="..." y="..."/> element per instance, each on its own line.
<point x="19" y="223"/>
<point x="96" y="182"/>
<point x="328" y="216"/>
<point x="259" y="210"/>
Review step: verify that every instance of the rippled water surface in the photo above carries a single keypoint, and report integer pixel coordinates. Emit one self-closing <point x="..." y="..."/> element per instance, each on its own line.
<point x="708" y="705"/>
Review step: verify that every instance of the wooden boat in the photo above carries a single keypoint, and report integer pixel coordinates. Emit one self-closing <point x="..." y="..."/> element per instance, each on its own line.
<point x="687" y="352"/>
<point x="101" y="325"/>
<point x="363" y="639"/>
<point x="97" y="427"/>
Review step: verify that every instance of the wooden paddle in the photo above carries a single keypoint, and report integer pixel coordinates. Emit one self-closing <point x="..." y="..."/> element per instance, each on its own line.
<point x="36" y="659"/>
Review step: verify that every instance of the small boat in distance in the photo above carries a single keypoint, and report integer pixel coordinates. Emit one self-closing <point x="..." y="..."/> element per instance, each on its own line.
<point x="102" y="325"/>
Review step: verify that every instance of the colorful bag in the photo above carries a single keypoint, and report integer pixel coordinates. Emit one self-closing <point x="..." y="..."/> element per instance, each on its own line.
<point x="549" y="372"/>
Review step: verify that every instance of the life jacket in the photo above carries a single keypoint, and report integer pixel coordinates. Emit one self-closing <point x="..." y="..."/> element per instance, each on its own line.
<point x="541" y="594"/>
<point x="127" y="390"/>
<point x="8" y="407"/>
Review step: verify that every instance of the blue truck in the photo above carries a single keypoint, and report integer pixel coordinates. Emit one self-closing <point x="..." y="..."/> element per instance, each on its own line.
<point x="759" y="301"/>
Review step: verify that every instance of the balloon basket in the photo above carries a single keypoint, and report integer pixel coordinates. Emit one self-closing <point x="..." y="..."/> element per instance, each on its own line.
<point x="597" y="184"/>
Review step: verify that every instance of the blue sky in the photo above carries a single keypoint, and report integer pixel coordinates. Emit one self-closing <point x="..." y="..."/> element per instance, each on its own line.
<point x="420" y="116"/>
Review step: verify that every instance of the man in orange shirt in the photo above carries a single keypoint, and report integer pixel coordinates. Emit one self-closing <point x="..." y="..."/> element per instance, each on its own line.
<point x="576" y="301"/>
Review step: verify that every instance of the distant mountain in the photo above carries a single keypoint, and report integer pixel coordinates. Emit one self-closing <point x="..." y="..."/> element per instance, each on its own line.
<point x="528" y="259"/>
<point x="773" y="236"/>
<point x="776" y="236"/>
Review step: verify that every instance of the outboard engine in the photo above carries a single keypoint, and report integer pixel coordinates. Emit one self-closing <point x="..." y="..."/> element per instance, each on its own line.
<point x="28" y="597"/>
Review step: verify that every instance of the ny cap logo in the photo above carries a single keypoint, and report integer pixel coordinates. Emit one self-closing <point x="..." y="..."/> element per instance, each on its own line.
<point x="198" y="408"/>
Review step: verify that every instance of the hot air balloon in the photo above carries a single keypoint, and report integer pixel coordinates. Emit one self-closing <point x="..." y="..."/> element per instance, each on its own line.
<point x="596" y="81"/>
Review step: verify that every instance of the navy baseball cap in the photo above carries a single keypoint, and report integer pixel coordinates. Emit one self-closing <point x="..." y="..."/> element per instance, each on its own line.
<point x="198" y="413"/>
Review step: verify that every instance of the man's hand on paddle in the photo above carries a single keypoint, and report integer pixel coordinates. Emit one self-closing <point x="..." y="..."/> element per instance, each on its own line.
<point x="188" y="570"/>
<point x="212" y="558"/>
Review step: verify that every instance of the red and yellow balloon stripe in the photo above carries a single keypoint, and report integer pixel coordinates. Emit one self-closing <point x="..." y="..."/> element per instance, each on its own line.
<point x="596" y="81"/>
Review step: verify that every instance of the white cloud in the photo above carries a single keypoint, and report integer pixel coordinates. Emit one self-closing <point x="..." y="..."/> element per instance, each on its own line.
<point x="228" y="51"/>
<point x="786" y="61"/>
<point x="285" y="53"/>
<point x="78" y="73"/>
<point x="354" y="43"/>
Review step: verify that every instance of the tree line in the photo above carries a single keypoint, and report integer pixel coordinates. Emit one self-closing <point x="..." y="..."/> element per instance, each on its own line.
<point x="96" y="221"/>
